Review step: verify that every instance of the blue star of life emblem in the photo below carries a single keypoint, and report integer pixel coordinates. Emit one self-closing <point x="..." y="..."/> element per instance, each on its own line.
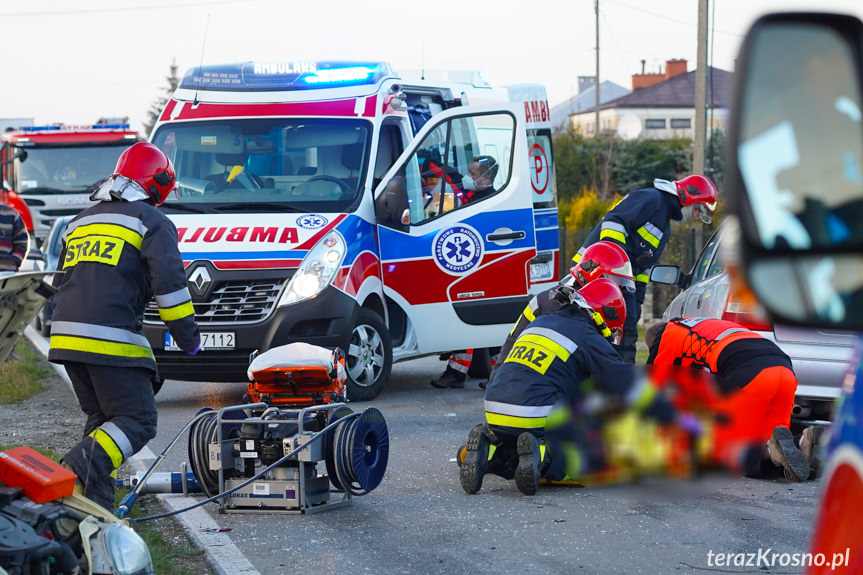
<point x="458" y="249"/>
<point x="311" y="221"/>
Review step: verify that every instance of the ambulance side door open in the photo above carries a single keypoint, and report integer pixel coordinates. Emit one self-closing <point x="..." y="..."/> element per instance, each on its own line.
<point x="459" y="264"/>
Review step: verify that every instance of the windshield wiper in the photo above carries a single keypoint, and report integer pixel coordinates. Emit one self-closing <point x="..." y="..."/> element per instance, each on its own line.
<point x="188" y="208"/>
<point x="47" y="190"/>
<point x="256" y="206"/>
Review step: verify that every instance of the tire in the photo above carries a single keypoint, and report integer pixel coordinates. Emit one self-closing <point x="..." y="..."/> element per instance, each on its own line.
<point x="369" y="357"/>
<point x="480" y="364"/>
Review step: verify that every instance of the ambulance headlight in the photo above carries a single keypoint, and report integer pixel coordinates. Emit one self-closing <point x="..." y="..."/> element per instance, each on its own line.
<point x="127" y="552"/>
<point x="317" y="269"/>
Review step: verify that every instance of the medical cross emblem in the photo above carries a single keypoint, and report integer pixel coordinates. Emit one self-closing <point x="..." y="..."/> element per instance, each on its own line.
<point x="458" y="249"/>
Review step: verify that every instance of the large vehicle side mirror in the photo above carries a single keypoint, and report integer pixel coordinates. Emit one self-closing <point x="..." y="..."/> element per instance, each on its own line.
<point x="20" y="155"/>
<point x="796" y="168"/>
<point x="391" y="206"/>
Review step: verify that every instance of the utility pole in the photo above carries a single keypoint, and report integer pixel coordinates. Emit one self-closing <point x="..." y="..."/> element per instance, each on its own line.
<point x="700" y="91"/>
<point x="596" y="81"/>
<point x="700" y="109"/>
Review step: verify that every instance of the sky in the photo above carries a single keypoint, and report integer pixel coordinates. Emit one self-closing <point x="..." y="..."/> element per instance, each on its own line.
<point x="75" y="61"/>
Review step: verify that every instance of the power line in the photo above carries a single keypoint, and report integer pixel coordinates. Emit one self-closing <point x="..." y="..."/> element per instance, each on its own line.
<point x="126" y="9"/>
<point x="669" y="18"/>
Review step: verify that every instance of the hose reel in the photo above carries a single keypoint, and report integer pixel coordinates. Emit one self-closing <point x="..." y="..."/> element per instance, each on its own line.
<point x="265" y="458"/>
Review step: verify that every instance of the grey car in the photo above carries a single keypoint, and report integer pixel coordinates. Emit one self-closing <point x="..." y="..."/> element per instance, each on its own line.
<point x="820" y="356"/>
<point x="51" y="252"/>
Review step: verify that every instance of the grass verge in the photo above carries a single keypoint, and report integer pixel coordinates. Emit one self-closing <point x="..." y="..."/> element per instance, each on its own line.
<point x="21" y="378"/>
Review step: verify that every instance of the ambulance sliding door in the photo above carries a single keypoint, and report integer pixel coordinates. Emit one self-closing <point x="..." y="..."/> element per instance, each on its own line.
<point x="451" y="259"/>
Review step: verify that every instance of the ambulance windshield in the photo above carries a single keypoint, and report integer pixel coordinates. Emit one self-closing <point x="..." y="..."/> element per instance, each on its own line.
<point x="305" y="164"/>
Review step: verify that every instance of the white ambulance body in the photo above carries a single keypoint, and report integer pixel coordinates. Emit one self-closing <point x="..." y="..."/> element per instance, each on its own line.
<point x="309" y="209"/>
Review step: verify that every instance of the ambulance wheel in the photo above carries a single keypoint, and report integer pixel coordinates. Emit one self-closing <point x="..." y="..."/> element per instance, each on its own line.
<point x="369" y="357"/>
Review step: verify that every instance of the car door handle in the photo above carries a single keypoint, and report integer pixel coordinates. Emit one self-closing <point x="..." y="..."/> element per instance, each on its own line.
<point x="518" y="235"/>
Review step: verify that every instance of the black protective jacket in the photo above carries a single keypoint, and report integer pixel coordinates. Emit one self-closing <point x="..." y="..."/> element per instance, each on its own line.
<point x="116" y="256"/>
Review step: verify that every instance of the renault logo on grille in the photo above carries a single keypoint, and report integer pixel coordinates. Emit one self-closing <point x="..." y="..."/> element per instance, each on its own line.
<point x="200" y="280"/>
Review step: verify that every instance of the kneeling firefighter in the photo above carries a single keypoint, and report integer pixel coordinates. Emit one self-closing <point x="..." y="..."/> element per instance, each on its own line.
<point x="116" y="256"/>
<point x="530" y="402"/>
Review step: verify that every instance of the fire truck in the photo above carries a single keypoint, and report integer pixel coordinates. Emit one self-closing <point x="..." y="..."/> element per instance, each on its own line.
<point x="50" y="171"/>
<point x="330" y="203"/>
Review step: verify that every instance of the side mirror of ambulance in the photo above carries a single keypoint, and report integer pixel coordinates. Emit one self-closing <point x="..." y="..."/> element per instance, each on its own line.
<point x="391" y="206"/>
<point x="795" y="179"/>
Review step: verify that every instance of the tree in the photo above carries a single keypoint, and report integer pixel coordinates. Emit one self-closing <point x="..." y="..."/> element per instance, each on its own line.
<point x="156" y="107"/>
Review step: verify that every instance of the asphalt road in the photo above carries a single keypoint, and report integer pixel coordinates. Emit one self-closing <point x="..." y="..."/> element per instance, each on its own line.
<point x="419" y="521"/>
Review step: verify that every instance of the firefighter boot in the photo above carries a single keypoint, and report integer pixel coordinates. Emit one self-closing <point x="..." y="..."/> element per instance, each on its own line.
<point x="784" y="453"/>
<point x="475" y="462"/>
<point x="79" y="487"/>
<point x="810" y="438"/>
<point x="449" y="378"/>
<point x="527" y="473"/>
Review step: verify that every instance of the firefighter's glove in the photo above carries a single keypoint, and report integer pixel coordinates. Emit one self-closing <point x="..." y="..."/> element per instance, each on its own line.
<point x="194" y="350"/>
<point x="645" y="257"/>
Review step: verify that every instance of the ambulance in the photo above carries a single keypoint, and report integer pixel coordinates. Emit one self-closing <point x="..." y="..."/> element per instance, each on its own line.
<point x="326" y="202"/>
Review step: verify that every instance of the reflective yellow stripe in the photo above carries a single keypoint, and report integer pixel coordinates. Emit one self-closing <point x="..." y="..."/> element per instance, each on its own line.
<point x="612" y="234"/>
<point x="549" y="344"/>
<point x="648" y="237"/>
<point x="645" y="398"/>
<point x="105" y="442"/>
<point x="96" y="346"/>
<point x="643" y="278"/>
<point x="112" y="230"/>
<point x="528" y="313"/>
<point x="177" y="312"/>
<point x="576" y="258"/>
<point x="514" y="421"/>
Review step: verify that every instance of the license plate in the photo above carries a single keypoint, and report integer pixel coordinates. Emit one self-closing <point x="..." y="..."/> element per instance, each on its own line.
<point x="540" y="271"/>
<point x="218" y="340"/>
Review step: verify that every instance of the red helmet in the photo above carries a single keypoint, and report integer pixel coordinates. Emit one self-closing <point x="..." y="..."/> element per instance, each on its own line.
<point x="604" y="260"/>
<point x="606" y="299"/>
<point x="147" y="165"/>
<point x="700" y="191"/>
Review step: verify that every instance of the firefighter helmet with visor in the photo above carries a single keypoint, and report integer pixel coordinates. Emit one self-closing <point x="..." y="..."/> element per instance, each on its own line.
<point x="604" y="297"/>
<point x="148" y="166"/>
<point x="604" y="260"/>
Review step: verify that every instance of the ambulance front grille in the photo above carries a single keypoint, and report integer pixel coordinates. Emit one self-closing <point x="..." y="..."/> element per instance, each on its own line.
<point x="231" y="302"/>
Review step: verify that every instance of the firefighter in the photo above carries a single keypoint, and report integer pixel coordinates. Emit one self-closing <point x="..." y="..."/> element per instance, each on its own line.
<point x="542" y="381"/>
<point x="755" y="387"/>
<point x="14" y="239"/>
<point x="601" y="260"/>
<point x="117" y="255"/>
<point x="641" y="223"/>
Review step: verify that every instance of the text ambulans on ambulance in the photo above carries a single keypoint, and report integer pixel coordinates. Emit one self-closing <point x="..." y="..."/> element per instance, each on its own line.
<point x="327" y="203"/>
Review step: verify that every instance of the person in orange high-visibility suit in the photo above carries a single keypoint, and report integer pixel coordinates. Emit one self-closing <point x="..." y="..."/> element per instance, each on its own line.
<point x="750" y="404"/>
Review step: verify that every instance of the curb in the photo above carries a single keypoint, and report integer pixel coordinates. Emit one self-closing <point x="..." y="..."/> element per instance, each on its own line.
<point x="221" y="552"/>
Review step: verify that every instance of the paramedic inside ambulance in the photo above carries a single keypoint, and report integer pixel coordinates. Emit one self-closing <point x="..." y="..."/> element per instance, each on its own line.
<point x="478" y="184"/>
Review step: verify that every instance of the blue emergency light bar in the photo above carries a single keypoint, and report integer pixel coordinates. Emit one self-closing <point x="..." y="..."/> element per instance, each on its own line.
<point x="58" y="127"/>
<point x="282" y="76"/>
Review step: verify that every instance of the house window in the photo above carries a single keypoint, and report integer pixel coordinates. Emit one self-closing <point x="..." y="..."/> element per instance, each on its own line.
<point x="681" y="123"/>
<point x="654" y="124"/>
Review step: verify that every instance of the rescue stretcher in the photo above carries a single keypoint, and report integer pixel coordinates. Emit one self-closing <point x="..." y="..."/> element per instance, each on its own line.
<point x="297" y="375"/>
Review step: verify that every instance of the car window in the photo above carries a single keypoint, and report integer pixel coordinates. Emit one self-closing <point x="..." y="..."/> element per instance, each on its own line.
<point x="704" y="265"/>
<point x="715" y="264"/>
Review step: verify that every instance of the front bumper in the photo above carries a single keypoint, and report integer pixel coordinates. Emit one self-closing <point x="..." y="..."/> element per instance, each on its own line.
<point x="326" y="320"/>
